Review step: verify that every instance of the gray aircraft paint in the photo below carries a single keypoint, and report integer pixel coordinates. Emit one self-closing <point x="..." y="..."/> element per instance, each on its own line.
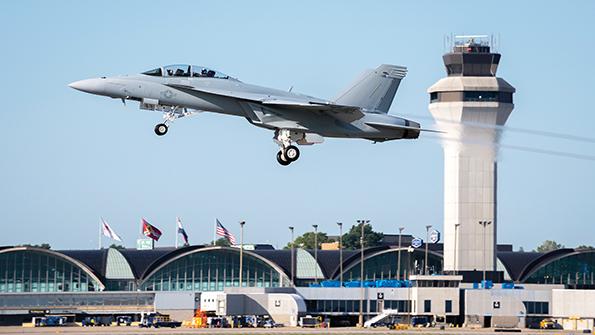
<point x="359" y="112"/>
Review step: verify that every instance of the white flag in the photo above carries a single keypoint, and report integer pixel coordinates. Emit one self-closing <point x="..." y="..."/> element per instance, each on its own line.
<point x="109" y="232"/>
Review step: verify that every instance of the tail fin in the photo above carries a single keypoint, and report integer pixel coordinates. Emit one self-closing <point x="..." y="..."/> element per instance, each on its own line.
<point x="374" y="90"/>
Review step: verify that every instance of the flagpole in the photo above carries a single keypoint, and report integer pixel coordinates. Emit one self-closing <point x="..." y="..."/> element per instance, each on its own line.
<point x="100" y="232"/>
<point x="177" y="218"/>
<point x="215" y="231"/>
<point x="241" y="249"/>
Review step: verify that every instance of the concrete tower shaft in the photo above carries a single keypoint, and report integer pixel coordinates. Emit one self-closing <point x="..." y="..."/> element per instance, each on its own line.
<point x="471" y="94"/>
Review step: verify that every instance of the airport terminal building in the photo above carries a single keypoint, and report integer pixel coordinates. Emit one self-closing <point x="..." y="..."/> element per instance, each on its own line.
<point x="531" y="286"/>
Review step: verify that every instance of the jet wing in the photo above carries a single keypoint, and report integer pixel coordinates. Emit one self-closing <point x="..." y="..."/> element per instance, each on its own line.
<point x="341" y="112"/>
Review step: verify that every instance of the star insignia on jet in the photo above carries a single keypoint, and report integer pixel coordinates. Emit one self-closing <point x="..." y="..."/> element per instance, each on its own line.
<point x="167" y="94"/>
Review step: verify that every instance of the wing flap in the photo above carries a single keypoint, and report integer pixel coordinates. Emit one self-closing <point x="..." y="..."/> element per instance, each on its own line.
<point x="397" y="126"/>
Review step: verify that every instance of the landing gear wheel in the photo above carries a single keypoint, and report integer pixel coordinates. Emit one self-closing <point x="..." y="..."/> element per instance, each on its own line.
<point x="281" y="159"/>
<point x="161" y="129"/>
<point x="292" y="153"/>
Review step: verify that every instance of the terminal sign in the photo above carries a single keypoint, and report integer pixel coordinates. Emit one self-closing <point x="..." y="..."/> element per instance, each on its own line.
<point x="144" y="244"/>
<point x="417" y="242"/>
<point x="434" y="236"/>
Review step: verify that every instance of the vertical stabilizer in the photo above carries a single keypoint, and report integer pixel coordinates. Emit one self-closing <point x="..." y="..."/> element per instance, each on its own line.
<point x="375" y="89"/>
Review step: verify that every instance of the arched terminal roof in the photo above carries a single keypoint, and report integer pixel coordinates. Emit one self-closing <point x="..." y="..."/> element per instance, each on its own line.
<point x="211" y="268"/>
<point x="68" y="273"/>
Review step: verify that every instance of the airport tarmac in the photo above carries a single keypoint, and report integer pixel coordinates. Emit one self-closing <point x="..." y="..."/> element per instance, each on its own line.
<point x="255" y="331"/>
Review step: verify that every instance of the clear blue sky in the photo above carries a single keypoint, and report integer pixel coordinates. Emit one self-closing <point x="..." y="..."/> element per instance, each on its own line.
<point x="67" y="158"/>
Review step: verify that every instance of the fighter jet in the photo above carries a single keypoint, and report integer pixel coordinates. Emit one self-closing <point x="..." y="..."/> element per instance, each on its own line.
<point x="361" y="111"/>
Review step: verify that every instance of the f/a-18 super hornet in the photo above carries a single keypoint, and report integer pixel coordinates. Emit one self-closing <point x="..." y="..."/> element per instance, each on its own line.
<point x="361" y="111"/>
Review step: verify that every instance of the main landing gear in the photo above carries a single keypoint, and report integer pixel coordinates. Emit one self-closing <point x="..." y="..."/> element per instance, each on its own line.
<point x="288" y="153"/>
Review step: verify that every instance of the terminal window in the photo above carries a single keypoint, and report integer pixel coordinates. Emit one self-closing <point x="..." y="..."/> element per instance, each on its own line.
<point x="427" y="306"/>
<point x="448" y="306"/>
<point x="537" y="307"/>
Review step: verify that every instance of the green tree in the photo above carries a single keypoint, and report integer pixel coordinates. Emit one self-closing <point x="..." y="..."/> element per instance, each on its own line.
<point x="306" y="240"/>
<point x="371" y="238"/>
<point x="549" y="245"/>
<point x="42" y="246"/>
<point x="222" y="242"/>
<point x="588" y="247"/>
<point x="117" y="246"/>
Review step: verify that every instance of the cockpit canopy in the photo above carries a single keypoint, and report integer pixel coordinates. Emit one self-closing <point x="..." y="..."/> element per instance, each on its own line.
<point x="184" y="70"/>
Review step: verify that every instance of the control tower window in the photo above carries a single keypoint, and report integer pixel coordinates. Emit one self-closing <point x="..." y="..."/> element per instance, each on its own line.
<point x="433" y="96"/>
<point x="480" y="96"/>
<point x="473" y="96"/>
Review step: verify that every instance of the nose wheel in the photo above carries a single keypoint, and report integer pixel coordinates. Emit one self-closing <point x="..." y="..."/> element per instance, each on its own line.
<point x="161" y="129"/>
<point x="288" y="155"/>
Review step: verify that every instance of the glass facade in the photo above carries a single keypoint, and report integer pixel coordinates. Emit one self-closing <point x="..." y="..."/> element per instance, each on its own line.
<point x="335" y="306"/>
<point x="384" y="265"/>
<point x="574" y="269"/>
<point x="537" y="307"/>
<point x="37" y="271"/>
<point x="213" y="270"/>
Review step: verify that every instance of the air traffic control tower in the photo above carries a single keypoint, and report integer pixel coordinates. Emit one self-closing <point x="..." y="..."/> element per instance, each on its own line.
<point x="468" y="105"/>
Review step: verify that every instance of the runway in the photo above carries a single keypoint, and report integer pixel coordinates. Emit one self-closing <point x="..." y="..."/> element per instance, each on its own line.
<point x="255" y="331"/>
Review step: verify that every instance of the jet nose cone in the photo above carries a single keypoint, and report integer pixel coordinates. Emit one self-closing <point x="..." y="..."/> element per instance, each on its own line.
<point x="93" y="86"/>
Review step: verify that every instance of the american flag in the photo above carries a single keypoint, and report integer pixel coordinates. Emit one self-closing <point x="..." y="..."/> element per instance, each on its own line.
<point x="221" y="231"/>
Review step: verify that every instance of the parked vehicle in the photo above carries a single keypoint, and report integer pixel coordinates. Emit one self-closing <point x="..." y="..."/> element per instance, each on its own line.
<point x="421" y="321"/>
<point x="309" y="321"/>
<point x="549" y="324"/>
<point x="157" y="320"/>
<point x="49" y="321"/>
<point x="99" y="321"/>
<point x="124" y="320"/>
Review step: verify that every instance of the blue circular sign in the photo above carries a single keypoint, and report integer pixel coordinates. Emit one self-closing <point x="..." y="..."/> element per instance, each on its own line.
<point x="417" y="242"/>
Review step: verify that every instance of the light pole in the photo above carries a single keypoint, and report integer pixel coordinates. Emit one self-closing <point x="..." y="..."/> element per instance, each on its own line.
<point x="455" y="251"/>
<point x="315" y="252"/>
<point x="399" y="254"/>
<point x="362" y="223"/>
<point x="292" y="256"/>
<point x="484" y="224"/>
<point x="426" y="267"/>
<point x="340" y="224"/>
<point x="409" y="252"/>
<point x="242" y="223"/>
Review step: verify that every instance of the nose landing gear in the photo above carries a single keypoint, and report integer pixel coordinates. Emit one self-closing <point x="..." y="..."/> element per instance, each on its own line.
<point x="170" y="114"/>
<point x="161" y="129"/>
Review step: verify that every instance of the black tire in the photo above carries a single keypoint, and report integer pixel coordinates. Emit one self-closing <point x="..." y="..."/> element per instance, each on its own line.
<point x="292" y="153"/>
<point x="281" y="159"/>
<point x="161" y="129"/>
